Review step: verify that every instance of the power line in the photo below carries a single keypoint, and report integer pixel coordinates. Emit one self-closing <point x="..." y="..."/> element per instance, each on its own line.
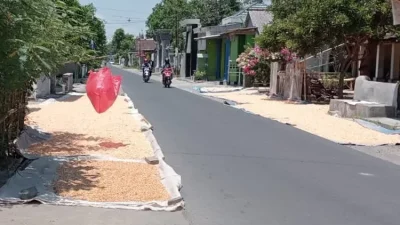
<point x="132" y="23"/>
<point x="121" y="10"/>
<point x="124" y="21"/>
<point x="127" y="17"/>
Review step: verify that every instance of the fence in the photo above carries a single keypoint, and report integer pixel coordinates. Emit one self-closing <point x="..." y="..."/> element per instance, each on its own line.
<point x="12" y="115"/>
<point x="290" y="82"/>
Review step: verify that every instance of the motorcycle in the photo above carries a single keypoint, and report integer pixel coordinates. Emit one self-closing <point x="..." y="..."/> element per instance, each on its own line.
<point x="167" y="78"/>
<point x="146" y="74"/>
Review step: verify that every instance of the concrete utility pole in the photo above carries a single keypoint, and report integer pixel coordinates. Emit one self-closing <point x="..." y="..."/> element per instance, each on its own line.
<point x="176" y="29"/>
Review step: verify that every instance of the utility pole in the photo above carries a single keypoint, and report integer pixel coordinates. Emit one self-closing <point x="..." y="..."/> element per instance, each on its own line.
<point x="176" y="43"/>
<point x="176" y="29"/>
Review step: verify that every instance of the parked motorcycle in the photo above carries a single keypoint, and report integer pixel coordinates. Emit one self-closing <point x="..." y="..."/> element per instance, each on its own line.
<point x="167" y="78"/>
<point x="146" y="74"/>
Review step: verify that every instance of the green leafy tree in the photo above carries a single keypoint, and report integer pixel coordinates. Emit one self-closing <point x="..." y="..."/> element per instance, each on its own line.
<point x="122" y="43"/>
<point x="39" y="36"/>
<point x="117" y="39"/>
<point x="310" y="26"/>
<point x="211" y="12"/>
<point x="167" y="15"/>
<point x="97" y="28"/>
<point x="36" y="38"/>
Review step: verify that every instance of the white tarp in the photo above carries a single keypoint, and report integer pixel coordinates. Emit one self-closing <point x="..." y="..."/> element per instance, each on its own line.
<point x="41" y="173"/>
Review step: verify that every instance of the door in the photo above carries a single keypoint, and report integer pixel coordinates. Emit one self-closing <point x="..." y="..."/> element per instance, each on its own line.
<point x="227" y="58"/>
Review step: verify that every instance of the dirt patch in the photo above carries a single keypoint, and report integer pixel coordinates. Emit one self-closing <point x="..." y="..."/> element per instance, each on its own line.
<point x="108" y="181"/>
<point x="311" y="118"/>
<point x="78" y="130"/>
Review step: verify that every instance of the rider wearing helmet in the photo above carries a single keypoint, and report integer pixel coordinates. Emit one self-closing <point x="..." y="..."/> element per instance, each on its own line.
<point x="147" y="64"/>
<point x="166" y="65"/>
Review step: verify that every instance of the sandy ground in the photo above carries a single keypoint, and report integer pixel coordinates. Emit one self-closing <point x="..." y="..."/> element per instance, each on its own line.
<point x="110" y="181"/>
<point x="311" y="118"/>
<point x="78" y="130"/>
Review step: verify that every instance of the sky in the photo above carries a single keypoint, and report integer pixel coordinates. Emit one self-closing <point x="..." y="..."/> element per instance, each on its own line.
<point x="117" y="13"/>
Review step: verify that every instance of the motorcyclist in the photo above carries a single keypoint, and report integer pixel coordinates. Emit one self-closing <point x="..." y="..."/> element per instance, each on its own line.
<point x="166" y="65"/>
<point x="146" y="64"/>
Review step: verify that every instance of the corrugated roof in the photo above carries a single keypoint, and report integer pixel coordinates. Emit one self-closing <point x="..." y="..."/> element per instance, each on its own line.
<point x="241" y="30"/>
<point x="241" y="15"/>
<point x="259" y="18"/>
<point x="214" y="30"/>
<point x="208" y="37"/>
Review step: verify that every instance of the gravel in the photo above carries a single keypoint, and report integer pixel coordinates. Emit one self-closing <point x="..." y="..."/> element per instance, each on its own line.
<point x="110" y="181"/>
<point x="78" y="130"/>
<point x="308" y="117"/>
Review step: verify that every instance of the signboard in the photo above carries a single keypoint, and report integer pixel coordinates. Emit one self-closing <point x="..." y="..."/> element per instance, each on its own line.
<point x="396" y="11"/>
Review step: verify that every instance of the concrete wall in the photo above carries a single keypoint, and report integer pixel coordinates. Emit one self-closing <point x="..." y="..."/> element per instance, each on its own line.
<point x="42" y="87"/>
<point x="371" y="91"/>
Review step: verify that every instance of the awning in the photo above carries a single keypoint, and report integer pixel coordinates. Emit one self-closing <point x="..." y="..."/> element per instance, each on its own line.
<point x="209" y="37"/>
<point x="247" y="30"/>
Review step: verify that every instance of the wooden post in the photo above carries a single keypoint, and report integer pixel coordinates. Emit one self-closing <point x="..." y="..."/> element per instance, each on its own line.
<point x="379" y="62"/>
<point x="394" y="63"/>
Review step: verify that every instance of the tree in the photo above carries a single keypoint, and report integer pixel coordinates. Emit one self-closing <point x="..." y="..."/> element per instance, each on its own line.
<point x="310" y="26"/>
<point x="122" y="43"/>
<point x="36" y="38"/>
<point x="126" y="45"/>
<point x="211" y="12"/>
<point x="97" y="28"/>
<point x="167" y="15"/>
<point x="39" y="36"/>
<point x="117" y="39"/>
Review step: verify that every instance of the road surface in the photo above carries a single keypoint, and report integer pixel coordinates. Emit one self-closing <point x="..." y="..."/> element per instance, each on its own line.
<point x="239" y="168"/>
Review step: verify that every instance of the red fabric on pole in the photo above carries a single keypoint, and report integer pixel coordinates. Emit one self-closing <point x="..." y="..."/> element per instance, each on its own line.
<point x="102" y="89"/>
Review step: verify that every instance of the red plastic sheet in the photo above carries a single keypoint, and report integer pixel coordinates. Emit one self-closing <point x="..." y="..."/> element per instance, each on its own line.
<point x="102" y="89"/>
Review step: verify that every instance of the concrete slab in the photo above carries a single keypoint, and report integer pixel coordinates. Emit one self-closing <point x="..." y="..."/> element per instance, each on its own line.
<point x="371" y="99"/>
<point x="389" y="123"/>
<point x="356" y="109"/>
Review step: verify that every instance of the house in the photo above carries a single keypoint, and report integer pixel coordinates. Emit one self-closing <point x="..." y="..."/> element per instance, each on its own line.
<point x="210" y="57"/>
<point x="145" y="48"/>
<point x="385" y="61"/>
<point x="258" y="17"/>
<point x="382" y="63"/>
<point x="220" y="46"/>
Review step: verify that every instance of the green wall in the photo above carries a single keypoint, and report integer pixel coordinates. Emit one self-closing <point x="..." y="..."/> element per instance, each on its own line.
<point x="212" y="59"/>
<point x="238" y="46"/>
<point x="234" y="55"/>
<point x="250" y="39"/>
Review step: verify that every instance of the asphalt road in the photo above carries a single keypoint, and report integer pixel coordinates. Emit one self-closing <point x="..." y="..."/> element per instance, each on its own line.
<point x="239" y="168"/>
